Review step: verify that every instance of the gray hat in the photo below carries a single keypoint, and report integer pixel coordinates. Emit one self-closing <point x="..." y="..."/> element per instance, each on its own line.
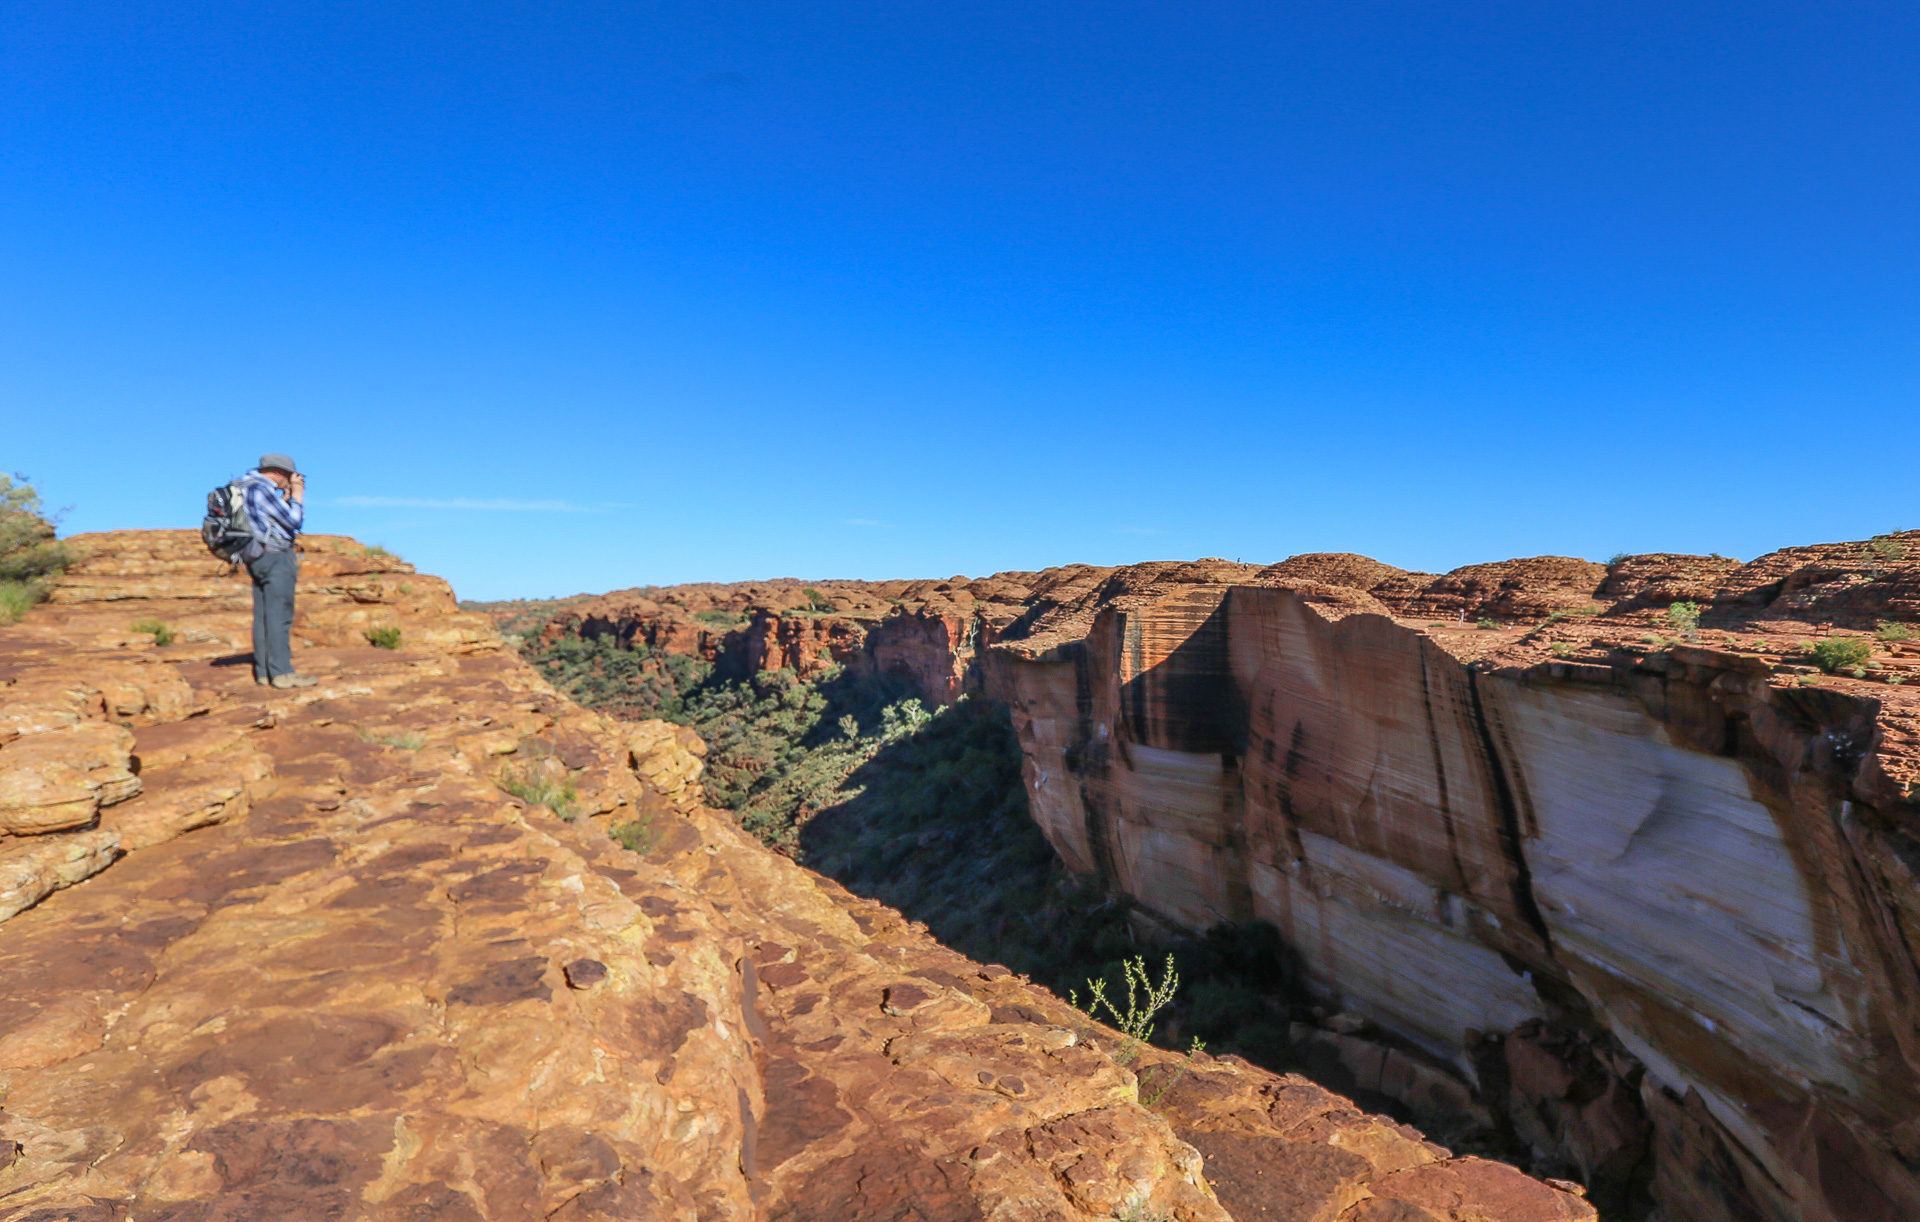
<point x="279" y="462"/>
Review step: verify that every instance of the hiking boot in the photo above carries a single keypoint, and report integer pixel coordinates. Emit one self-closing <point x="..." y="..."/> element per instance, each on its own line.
<point x="294" y="681"/>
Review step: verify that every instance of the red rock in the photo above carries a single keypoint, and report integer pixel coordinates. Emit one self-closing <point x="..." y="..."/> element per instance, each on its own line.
<point x="339" y="971"/>
<point x="1458" y="831"/>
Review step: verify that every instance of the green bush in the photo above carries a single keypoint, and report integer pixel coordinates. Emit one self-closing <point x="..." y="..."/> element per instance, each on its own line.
<point x="384" y="638"/>
<point x="30" y="556"/>
<point x="1685" y="618"/>
<point x="637" y="837"/>
<point x="162" y="635"/>
<point x="1894" y="632"/>
<point x="16" y="598"/>
<point x="1145" y="999"/>
<point x="1837" y="653"/>
<point x="1486" y="625"/>
<point x="816" y="600"/>
<point x="534" y="787"/>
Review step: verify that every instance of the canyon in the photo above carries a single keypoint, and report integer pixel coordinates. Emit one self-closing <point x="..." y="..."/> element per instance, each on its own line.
<point x="1599" y="853"/>
<point x="431" y="941"/>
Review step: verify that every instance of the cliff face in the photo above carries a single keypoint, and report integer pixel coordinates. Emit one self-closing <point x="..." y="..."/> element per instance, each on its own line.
<point x="927" y="633"/>
<point x="1656" y="900"/>
<point x="367" y="951"/>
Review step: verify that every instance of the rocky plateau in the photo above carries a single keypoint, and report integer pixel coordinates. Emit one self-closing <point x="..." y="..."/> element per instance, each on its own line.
<point x="1611" y="855"/>
<point x="368" y="950"/>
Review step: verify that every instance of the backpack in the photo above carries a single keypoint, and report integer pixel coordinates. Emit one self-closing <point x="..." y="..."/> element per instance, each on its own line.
<point x="227" y="530"/>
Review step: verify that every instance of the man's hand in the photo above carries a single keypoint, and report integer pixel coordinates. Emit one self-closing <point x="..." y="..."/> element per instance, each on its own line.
<point x="299" y="485"/>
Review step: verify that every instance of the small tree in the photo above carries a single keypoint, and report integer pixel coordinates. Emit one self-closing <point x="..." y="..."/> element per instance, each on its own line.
<point x="1685" y="618"/>
<point x="29" y="553"/>
<point x="1838" y="653"/>
<point x="28" y="549"/>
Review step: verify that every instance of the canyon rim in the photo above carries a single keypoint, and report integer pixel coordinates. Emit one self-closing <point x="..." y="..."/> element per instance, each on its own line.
<point x="1602" y="856"/>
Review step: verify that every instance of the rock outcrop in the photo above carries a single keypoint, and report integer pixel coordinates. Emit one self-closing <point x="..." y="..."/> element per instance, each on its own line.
<point x="369" y="951"/>
<point x="928" y="633"/>
<point x="1654" y="898"/>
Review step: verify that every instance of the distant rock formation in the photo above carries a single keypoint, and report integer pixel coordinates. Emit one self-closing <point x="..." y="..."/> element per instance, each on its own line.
<point x="368" y="951"/>
<point x="1655" y="897"/>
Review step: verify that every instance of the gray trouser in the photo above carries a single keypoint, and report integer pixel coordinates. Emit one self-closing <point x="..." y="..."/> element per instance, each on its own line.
<point x="274" y="575"/>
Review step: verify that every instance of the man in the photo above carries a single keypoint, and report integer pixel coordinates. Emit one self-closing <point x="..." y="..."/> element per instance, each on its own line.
<point x="276" y="495"/>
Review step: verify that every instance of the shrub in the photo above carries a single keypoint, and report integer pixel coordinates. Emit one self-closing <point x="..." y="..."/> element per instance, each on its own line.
<point x="16" y="597"/>
<point x="1685" y="618"/>
<point x="162" y="635"/>
<point x="28" y="550"/>
<point x="1837" y="653"/>
<point x="1561" y="649"/>
<point x="1894" y="632"/>
<point x="1486" y="625"/>
<point x="816" y="600"/>
<point x="384" y="638"/>
<point x="718" y="617"/>
<point x="637" y="837"/>
<point x="1616" y="558"/>
<point x="536" y="788"/>
<point x="1144" y="1000"/>
<point x="374" y="549"/>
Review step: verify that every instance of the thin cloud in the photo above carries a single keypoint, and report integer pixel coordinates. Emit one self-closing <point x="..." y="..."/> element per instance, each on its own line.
<point x="500" y="506"/>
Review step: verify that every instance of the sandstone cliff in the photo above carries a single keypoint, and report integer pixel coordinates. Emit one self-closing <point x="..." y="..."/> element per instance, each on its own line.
<point x="1655" y="898"/>
<point x="306" y="955"/>
<point x="928" y="633"/>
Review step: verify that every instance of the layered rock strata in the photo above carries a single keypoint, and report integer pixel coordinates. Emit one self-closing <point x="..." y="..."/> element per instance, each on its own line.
<point x="1655" y="900"/>
<point x="367" y="951"/>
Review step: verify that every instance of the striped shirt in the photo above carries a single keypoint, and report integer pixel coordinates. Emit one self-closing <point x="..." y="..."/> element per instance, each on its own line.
<point x="276" y="518"/>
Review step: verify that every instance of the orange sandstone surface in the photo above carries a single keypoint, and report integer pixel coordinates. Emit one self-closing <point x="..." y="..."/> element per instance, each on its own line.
<point x="300" y="955"/>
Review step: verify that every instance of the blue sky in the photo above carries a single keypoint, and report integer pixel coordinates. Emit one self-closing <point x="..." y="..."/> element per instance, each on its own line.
<point x="552" y="298"/>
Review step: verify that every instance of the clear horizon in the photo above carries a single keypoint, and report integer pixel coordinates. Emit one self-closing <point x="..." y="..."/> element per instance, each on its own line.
<point x="606" y="297"/>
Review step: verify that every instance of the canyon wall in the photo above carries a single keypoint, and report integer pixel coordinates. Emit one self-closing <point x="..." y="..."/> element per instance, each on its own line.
<point x="1655" y="899"/>
<point x="429" y="941"/>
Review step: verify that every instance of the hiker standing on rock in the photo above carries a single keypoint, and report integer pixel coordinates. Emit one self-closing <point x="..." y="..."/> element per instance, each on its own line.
<point x="276" y="496"/>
